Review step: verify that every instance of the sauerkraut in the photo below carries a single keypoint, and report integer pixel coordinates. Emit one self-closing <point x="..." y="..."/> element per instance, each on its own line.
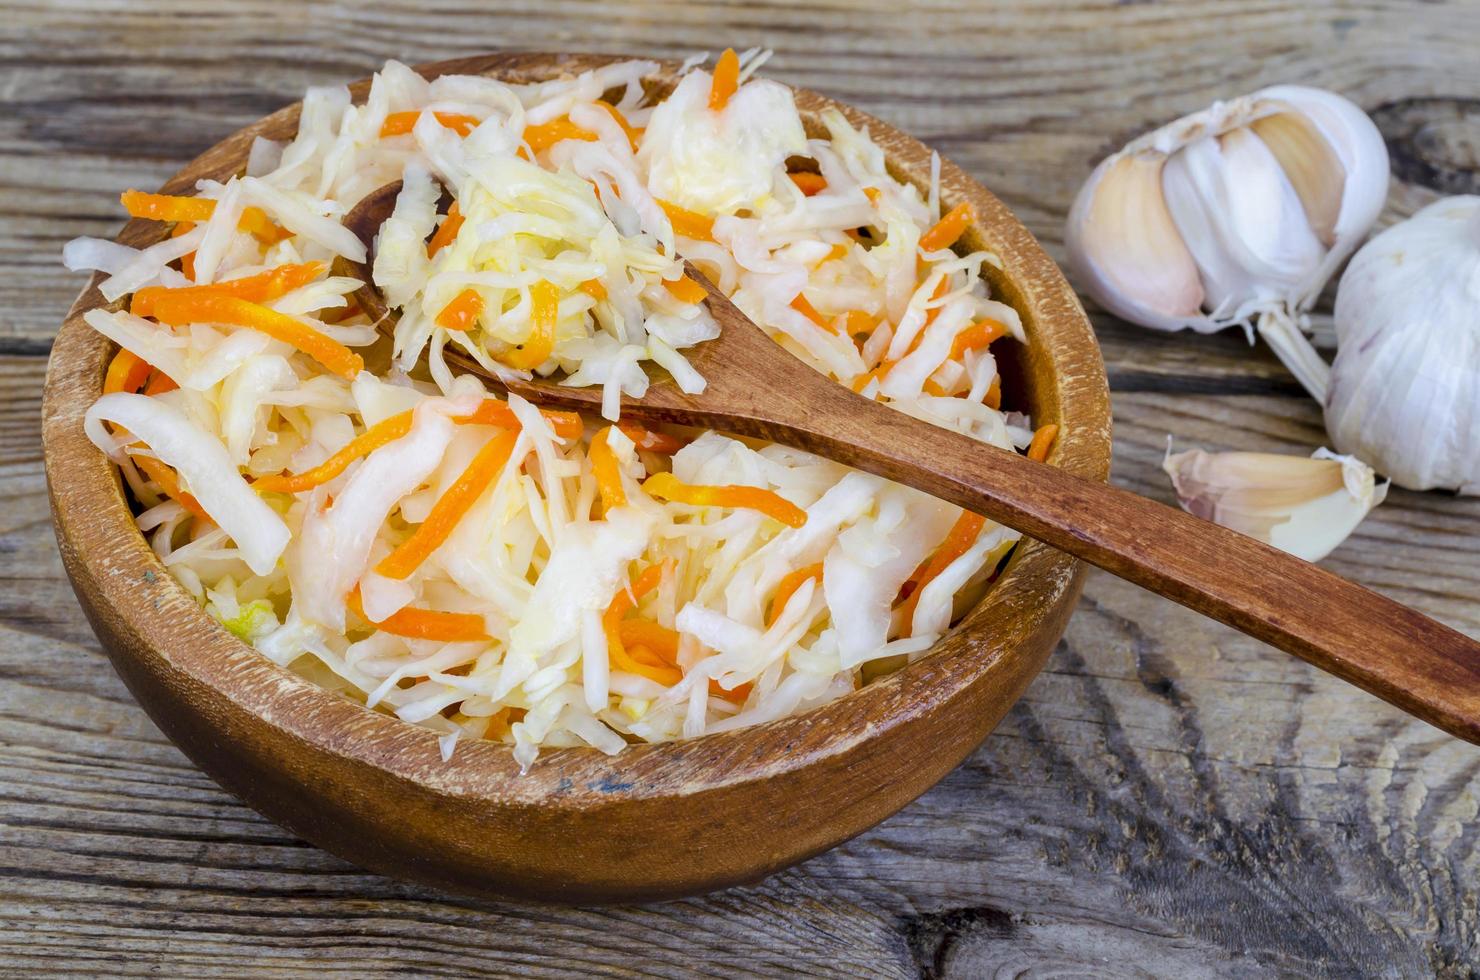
<point x="469" y="562"/>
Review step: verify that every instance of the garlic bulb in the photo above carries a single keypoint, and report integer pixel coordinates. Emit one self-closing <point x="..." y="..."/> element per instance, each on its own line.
<point x="1238" y="214"/>
<point x="1306" y="506"/>
<point x="1405" y="386"/>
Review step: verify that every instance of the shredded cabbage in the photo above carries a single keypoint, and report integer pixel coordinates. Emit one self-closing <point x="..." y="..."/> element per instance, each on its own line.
<point x="490" y="570"/>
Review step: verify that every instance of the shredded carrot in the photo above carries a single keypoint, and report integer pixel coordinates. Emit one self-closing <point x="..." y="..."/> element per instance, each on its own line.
<point x="948" y="229"/>
<point x="594" y="289"/>
<point x="126" y="372"/>
<point x="809" y="183"/>
<point x="651" y="636"/>
<point x="425" y="624"/>
<point x="169" y="483"/>
<point x="170" y="207"/>
<point x="993" y="397"/>
<point x="859" y="322"/>
<point x="217" y="308"/>
<point x="612" y="623"/>
<point x="976" y="336"/>
<point x="806" y="309"/>
<point x="491" y="411"/>
<point x="187" y="261"/>
<point x="159" y="384"/>
<point x="688" y="224"/>
<point x="383" y="432"/>
<point x="264" y="287"/>
<point x="463" y="312"/>
<point x="838" y="251"/>
<point x="686" y="290"/>
<point x="546" y="135"/>
<point x="608" y="472"/>
<point x="401" y="123"/>
<point x="1042" y="441"/>
<point x="633" y="135"/>
<point x="666" y="486"/>
<point x="446" y="231"/>
<point x="788" y="586"/>
<point x="450" y="507"/>
<point x="873" y="194"/>
<point x="544" y="311"/>
<point x="877" y="374"/>
<point x="726" y="80"/>
<point x="737" y="696"/>
<point x="650" y="439"/>
<point x="958" y="541"/>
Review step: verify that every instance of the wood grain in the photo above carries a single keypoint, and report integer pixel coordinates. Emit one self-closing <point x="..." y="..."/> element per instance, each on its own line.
<point x="1168" y="798"/>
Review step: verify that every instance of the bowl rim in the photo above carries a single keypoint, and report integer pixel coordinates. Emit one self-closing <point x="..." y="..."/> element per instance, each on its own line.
<point x="106" y="552"/>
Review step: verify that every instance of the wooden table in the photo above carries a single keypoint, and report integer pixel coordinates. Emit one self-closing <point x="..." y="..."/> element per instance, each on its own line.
<point x="1168" y="797"/>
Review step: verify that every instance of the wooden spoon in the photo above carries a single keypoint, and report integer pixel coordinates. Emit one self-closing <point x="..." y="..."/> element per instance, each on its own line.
<point x="755" y="388"/>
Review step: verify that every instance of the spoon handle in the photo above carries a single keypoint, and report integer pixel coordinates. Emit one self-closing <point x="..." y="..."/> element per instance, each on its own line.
<point x="1383" y="647"/>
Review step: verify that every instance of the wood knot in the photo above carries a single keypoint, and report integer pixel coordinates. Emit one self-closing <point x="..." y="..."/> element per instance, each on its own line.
<point x="1433" y="142"/>
<point x="932" y="935"/>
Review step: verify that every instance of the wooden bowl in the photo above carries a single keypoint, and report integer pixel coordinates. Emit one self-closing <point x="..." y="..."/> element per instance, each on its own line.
<point x="657" y="821"/>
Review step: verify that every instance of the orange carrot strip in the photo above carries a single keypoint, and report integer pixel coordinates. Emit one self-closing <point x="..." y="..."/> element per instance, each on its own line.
<point x="958" y="540"/>
<point x="187" y="261"/>
<point x="383" y="432"/>
<point x="633" y="135"/>
<point x="809" y="183"/>
<point x="450" y="508"/>
<point x="645" y="633"/>
<point x="126" y="372"/>
<point x="726" y="80"/>
<point x="463" y="312"/>
<point x="169" y="483"/>
<point x="873" y="194"/>
<point x="594" y="289"/>
<point x="1042" y="441"/>
<point x="169" y="207"/>
<point x="611" y="622"/>
<point x="948" y="229"/>
<point x="491" y="411"/>
<point x="651" y="440"/>
<point x="544" y="303"/>
<point x="686" y="290"/>
<point x="737" y="696"/>
<point x="546" y="135"/>
<point x="666" y="486"/>
<point x="788" y="586"/>
<point x="688" y="224"/>
<point x="217" y="308"/>
<point x="608" y="472"/>
<point x="446" y="231"/>
<point x="993" y="397"/>
<point x="264" y="287"/>
<point x="806" y="309"/>
<point x="859" y="322"/>
<point x="977" y="336"/>
<point x="401" y="123"/>
<point x="159" y="384"/>
<point x="425" y="624"/>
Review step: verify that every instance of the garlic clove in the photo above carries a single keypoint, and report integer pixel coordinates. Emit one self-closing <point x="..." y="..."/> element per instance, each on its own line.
<point x="1122" y="239"/>
<point x="1312" y="165"/>
<point x="1303" y="505"/>
<point x="1405" y="385"/>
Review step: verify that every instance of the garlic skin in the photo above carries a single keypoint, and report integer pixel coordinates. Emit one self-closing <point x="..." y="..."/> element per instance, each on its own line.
<point x="1236" y="215"/>
<point x="1303" y="505"/>
<point x="1405" y="385"/>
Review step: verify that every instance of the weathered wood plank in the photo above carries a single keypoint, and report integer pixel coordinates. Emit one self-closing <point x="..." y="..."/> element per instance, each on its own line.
<point x="1168" y="798"/>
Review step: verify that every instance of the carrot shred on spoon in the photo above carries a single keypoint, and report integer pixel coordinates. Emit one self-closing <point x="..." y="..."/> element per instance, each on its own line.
<point x="669" y="487"/>
<point x="608" y="472"/>
<point x="446" y="231"/>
